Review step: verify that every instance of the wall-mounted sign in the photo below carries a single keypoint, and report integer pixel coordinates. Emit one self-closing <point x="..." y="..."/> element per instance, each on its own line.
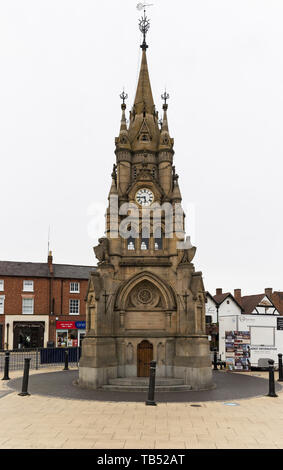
<point x="280" y="323"/>
<point x="70" y="325"/>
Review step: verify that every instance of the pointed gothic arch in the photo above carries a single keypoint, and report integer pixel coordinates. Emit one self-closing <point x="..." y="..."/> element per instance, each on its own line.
<point x="167" y="294"/>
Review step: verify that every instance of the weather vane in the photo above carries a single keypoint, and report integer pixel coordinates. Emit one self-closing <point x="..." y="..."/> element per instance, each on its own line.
<point x="144" y="23"/>
<point x="124" y="97"/>
<point x="165" y="97"/>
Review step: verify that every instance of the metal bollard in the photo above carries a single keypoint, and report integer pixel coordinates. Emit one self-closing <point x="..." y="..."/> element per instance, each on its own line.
<point x="280" y="368"/>
<point x="271" y="379"/>
<point x="215" y="359"/>
<point x="66" y="360"/>
<point x="6" y="367"/>
<point x="151" y="388"/>
<point x="24" y="391"/>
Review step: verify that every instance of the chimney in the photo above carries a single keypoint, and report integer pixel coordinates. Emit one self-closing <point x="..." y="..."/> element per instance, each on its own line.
<point x="50" y="262"/>
<point x="268" y="291"/>
<point x="218" y="291"/>
<point x="238" y="294"/>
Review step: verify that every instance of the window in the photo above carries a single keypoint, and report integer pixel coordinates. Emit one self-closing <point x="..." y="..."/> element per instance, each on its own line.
<point x="1" y="286"/>
<point x="27" y="306"/>
<point x="2" y="300"/>
<point x="131" y="244"/>
<point x="158" y="239"/>
<point x="74" y="307"/>
<point x="28" y="286"/>
<point x="74" y="287"/>
<point x="208" y="319"/>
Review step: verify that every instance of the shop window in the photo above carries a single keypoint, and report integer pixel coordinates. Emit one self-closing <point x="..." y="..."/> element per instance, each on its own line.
<point x="27" y="306"/>
<point x="74" y="287"/>
<point x="1" y="285"/>
<point x="2" y="300"/>
<point x="74" y="307"/>
<point x="62" y="339"/>
<point x="28" y="286"/>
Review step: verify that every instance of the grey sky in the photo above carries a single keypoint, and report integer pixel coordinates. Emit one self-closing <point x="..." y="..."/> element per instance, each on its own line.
<point x="63" y="64"/>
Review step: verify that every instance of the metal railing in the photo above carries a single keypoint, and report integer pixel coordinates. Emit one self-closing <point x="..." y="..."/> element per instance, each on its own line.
<point x="40" y="357"/>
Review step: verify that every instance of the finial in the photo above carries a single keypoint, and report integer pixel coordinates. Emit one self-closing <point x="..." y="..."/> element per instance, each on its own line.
<point x="123" y="97"/>
<point x="165" y="97"/>
<point x="144" y="24"/>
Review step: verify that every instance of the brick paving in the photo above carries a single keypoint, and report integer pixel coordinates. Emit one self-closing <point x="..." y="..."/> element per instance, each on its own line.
<point x="49" y="422"/>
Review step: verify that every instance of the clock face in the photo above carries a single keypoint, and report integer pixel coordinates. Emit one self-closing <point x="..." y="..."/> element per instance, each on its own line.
<point x="145" y="197"/>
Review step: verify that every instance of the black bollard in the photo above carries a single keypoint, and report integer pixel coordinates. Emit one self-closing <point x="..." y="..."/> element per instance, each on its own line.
<point x="280" y="368"/>
<point x="215" y="359"/>
<point x="66" y="360"/>
<point x="151" y="388"/>
<point x="271" y="379"/>
<point x="24" y="391"/>
<point x="6" y="367"/>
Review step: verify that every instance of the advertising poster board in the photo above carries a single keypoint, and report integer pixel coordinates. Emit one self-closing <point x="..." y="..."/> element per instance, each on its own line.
<point x="237" y="345"/>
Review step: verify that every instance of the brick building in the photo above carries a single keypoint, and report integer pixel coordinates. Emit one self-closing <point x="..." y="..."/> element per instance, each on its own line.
<point x="41" y="303"/>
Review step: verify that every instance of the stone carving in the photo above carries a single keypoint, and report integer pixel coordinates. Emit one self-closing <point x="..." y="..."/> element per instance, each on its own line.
<point x="97" y="285"/>
<point x="102" y="250"/>
<point x="188" y="255"/>
<point x="144" y="296"/>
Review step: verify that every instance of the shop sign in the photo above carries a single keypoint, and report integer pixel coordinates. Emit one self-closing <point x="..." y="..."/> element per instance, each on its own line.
<point x="70" y="325"/>
<point x="66" y="325"/>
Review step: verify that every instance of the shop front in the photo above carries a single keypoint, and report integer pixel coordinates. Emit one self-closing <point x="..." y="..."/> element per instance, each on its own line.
<point x="70" y="333"/>
<point x="28" y="335"/>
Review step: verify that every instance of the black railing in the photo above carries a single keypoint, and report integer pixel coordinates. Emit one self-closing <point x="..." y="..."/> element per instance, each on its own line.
<point x="40" y="358"/>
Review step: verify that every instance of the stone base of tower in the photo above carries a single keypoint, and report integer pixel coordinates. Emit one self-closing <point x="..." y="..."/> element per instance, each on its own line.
<point x="98" y="363"/>
<point x="187" y="358"/>
<point x="193" y="363"/>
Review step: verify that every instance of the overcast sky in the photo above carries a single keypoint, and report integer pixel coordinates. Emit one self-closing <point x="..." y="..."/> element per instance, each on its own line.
<point x="63" y="64"/>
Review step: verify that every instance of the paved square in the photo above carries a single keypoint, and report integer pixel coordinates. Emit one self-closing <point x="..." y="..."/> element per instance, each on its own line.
<point x="50" y="422"/>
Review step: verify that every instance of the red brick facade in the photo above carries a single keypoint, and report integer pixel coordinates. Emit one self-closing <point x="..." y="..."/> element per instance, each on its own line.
<point x="51" y="294"/>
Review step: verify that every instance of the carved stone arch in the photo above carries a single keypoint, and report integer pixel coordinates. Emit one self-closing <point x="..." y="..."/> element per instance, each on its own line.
<point x="167" y="294"/>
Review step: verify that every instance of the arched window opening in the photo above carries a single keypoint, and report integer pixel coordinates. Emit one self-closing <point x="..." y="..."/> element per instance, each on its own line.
<point x="131" y="241"/>
<point x="145" y="238"/>
<point x="158" y="239"/>
<point x="131" y="244"/>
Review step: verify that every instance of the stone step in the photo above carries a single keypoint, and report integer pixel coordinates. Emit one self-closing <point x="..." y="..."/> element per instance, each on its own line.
<point x="144" y="388"/>
<point x="144" y="381"/>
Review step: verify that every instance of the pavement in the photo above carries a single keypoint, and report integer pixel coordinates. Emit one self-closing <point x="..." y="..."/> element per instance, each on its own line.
<point x="59" y="415"/>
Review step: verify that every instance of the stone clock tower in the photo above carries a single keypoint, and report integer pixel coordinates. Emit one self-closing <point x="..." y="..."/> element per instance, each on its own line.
<point x="145" y="300"/>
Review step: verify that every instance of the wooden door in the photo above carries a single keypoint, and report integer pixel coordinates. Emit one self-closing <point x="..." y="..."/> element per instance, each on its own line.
<point x="145" y="355"/>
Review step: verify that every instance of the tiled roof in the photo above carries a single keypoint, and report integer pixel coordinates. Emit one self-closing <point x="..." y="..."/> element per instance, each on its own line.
<point x="220" y="297"/>
<point x="65" y="271"/>
<point x="277" y="299"/>
<point x="249" y="302"/>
